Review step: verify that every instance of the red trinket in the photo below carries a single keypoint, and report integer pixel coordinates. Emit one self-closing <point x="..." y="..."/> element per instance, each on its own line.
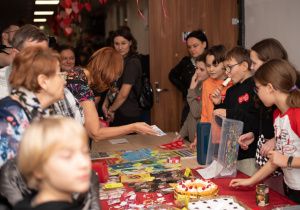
<point x="191" y="187"/>
<point x="203" y="188"/>
<point x="192" y="180"/>
<point x="186" y="189"/>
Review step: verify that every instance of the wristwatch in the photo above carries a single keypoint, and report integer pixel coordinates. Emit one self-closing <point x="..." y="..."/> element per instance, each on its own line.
<point x="289" y="163"/>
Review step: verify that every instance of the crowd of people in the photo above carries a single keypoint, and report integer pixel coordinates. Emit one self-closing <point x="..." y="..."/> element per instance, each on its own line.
<point x="40" y="83"/>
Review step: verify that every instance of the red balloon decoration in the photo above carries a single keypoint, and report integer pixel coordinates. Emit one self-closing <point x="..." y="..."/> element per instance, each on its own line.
<point x="68" y="2"/>
<point x="68" y="31"/>
<point x="67" y="21"/>
<point x="88" y="7"/>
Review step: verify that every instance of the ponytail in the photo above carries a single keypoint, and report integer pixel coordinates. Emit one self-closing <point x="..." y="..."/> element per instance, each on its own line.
<point x="293" y="99"/>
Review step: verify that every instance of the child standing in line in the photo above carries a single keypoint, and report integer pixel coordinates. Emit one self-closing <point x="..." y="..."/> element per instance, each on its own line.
<point x="275" y="85"/>
<point x="238" y="103"/>
<point x="194" y="99"/>
<point x="214" y="65"/>
<point x="53" y="165"/>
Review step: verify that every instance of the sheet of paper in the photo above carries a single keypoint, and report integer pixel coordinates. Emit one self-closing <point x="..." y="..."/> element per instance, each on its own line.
<point x="118" y="141"/>
<point x="161" y="133"/>
<point x="211" y="171"/>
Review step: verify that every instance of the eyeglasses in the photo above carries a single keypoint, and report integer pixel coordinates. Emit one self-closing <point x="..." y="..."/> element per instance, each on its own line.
<point x="63" y="75"/>
<point x="10" y="31"/>
<point x="228" y="68"/>
<point x="255" y="89"/>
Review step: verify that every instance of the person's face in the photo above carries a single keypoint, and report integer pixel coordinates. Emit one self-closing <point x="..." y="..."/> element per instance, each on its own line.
<point x="263" y="92"/>
<point x="214" y="70"/>
<point x="256" y="62"/>
<point x="237" y="71"/>
<point x="122" y="45"/>
<point x="56" y="84"/>
<point x="12" y="30"/>
<point x="201" y="71"/>
<point x="195" y="47"/>
<point x="68" y="60"/>
<point x="68" y="170"/>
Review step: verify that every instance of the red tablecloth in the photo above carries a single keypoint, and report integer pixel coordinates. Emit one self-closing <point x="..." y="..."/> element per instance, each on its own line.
<point x="246" y="195"/>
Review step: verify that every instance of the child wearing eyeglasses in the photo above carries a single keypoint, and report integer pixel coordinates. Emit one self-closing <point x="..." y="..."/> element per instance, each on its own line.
<point x="214" y="65"/>
<point x="238" y="103"/>
<point x="275" y="85"/>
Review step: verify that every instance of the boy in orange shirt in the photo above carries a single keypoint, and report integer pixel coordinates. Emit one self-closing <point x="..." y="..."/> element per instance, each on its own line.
<point x="214" y="64"/>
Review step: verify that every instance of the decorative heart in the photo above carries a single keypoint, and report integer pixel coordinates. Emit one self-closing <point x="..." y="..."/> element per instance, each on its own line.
<point x="67" y="21"/>
<point x="57" y="17"/>
<point x="103" y="1"/>
<point x="68" y="2"/>
<point x="80" y="7"/>
<point x="75" y="7"/>
<point x="63" y="14"/>
<point x="74" y="15"/>
<point x="88" y="7"/>
<point x="64" y="5"/>
<point x="63" y="25"/>
<point x="68" y="31"/>
<point x="68" y="11"/>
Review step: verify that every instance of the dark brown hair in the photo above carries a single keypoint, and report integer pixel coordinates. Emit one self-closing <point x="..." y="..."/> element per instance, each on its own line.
<point x="218" y="52"/>
<point x="269" y="49"/>
<point x="282" y="75"/>
<point x="29" y="64"/>
<point x="240" y="54"/>
<point x="105" y="65"/>
<point x="201" y="58"/>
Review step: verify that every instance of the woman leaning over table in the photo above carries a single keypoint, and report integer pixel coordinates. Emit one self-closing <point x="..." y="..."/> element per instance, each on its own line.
<point x="123" y="108"/>
<point x="86" y="84"/>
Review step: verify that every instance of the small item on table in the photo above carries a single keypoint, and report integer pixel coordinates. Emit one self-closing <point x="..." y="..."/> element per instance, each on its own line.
<point x="173" y="159"/>
<point x="262" y="195"/>
<point x="113" y="201"/>
<point x="103" y="123"/>
<point x="173" y="145"/>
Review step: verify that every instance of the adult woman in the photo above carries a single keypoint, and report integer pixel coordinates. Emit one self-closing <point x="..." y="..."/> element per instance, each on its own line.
<point x="68" y="57"/>
<point x="86" y="83"/>
<point x="182" y="74"/>
<point x="41" y="85"/>
<point x="124" y="107"/>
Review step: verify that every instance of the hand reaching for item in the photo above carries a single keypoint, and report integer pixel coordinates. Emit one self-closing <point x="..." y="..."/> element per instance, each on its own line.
<point x="276" y="158"/>
<point x="245" y="140"/>
<point x="270" y="145"/>
<point x="220" y="112"/>
<point x="193" y="147"/>
<point x="178" y="138"/>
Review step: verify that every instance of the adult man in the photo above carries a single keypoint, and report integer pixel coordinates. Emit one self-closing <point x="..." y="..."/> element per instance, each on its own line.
<point x="30" y="35"/>
<point x="6" y="44"/>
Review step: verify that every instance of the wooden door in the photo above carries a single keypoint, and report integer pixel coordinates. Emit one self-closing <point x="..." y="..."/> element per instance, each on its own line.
<point x="167" y="48"/>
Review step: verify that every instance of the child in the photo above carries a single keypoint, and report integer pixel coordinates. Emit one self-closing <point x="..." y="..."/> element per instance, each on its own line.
<point x="194" y="100"/>
<point x="275" y="85"/>
<point x="238" y="103"/>
<point x="54" y="159"/>
<point x="260" y="53"/>
<point x="214" y="59"/>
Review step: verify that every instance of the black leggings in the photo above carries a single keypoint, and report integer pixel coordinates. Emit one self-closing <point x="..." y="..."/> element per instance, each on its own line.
<point x="294" y="195"/>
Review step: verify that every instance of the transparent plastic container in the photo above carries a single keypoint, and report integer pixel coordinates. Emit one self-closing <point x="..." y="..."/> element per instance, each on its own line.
<point x="223" y="145"/>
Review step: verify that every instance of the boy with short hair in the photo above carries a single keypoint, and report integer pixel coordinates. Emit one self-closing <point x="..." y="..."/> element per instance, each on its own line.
<point x="238" y="103"/>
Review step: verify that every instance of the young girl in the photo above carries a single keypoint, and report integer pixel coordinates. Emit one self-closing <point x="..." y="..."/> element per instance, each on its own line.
<point x="260" y="53"/>
<point x="275" y="85"/>
<point x="194" y="99"/>
<point x="54" y="159"/>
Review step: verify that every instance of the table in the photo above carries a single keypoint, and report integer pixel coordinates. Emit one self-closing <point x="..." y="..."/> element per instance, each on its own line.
<point x="246" y="195"/>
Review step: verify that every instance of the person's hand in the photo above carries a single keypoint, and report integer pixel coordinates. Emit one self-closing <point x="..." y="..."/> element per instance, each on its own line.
<point x="178" y="138"/>
<point x="245" y="140"/>
<point x="194" y="81"/>
<point x="216" y="96"/>
<point x="267" y="147"/>
<point x="105" y="111"/>
<point x="220" y="112"/>
<point x="240" y="183"/>
<point x="276" y="158"/>
<point x="144" y="129"/>
<point x="110" y="116"/>
<point x="193" y="146"/>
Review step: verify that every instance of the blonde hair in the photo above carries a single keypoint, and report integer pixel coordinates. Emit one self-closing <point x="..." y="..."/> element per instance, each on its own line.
<point x="41" y="139"/>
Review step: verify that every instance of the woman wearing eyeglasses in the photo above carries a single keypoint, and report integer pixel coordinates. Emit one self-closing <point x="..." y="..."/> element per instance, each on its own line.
<point x="36" y="83"/>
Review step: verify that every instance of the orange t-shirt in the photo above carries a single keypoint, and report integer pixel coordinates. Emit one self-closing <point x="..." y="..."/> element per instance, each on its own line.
<point x="209" y="86"/>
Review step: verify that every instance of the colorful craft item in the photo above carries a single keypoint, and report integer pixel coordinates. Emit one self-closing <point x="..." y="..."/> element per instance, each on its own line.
<point x="173" y="145"/>
<point x="174" y="159"/>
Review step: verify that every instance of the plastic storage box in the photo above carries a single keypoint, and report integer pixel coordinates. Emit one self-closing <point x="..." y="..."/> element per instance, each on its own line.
<point x="223" y="145"/>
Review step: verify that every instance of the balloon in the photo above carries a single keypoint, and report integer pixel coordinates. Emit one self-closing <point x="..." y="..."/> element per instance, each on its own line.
<point x="68" y="31"/>
<point x="68" y="11"/>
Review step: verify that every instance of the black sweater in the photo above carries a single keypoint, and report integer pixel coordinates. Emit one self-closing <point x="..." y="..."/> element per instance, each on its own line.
<point x="239" y="105"/>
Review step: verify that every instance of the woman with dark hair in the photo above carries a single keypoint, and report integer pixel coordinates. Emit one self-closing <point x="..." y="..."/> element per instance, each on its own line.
<point x="181" y="75"/>
<point x="68" y="57"/>
<point x="122" y="107"/>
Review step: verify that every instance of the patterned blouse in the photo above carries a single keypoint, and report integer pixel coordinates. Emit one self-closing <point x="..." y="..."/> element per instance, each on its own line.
<point x="77" y="83"/>
<point x="13" y="123"/>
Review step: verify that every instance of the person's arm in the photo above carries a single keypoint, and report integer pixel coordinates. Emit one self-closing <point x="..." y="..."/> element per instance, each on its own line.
<point x="98" y="133"/>
<point x="265" y="171"/>
<point x="204" y="109"/>
<point x="5" y="60"/>
<point x="195" y="105"/>
<point x="105" y="108"/>
<point x="97" y="100"/>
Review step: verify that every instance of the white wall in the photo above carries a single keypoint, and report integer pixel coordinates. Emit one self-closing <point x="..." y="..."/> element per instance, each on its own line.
<point x="138" y="26"/>
<point x="279" y="19"/>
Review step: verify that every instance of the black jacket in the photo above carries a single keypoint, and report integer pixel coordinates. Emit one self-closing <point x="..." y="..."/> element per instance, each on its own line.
<point x="239" y="105"/>
<point x="181" y="75"/>
<point x="14" y="189"/>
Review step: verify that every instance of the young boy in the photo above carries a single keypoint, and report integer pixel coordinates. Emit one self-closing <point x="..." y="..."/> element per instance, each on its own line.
<point x="238" y="103"/>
